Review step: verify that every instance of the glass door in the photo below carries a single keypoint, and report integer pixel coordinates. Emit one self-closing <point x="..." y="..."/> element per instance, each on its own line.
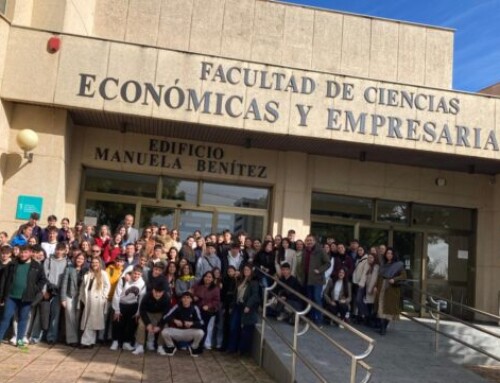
<point x="369" y="237"/>
<point x="191" y="220"/>
<point x="409" y="248"/>
<point x="157" y="215"/>
<point x="447" y="268"/>
<point x="341" y="233"/>
<point x="107" y="213"/>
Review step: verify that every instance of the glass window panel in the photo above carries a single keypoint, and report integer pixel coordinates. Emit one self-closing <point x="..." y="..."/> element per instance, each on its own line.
<point x="180" y="190"/>
<point x="369" y="237"/>
<point x="341" y="206"/>
<point x="341" y="233"/>
<point x="443" y="217"/>
<point x="157" y="215"/>
<point x="233" y="195"/>
<point x="251" y="224"/>
<point x="108" y="213"/>
<point x="389" y="211"/>
<point x="408" y="246"/>
<point x="105" y="181"/>
<point x="191" y="220"/>
<point x="447" y="267"/>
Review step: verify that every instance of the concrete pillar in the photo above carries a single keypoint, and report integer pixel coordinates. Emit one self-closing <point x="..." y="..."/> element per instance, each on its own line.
<point x="292" y="197"/>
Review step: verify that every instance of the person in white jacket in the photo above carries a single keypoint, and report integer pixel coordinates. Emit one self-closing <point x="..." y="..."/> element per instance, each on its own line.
<point x="128" y="294"/>
<point x="94" y="292"/>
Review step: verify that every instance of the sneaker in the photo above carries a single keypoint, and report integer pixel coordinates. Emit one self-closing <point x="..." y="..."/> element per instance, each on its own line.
<point x="195" y="352"/>
<point x="128" y="347"/>
<point x="114" y="346"/>
<point x="161" y="351"/>
<point x="169" y="351"/>
<point x="13" y="340"/>
<point x="21" y="344"/>
<point x="150" y="346"/>
<point x="139" y="350"/>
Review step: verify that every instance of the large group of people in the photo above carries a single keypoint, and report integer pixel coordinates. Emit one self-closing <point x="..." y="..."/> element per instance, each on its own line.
<point x="149" y="291"/>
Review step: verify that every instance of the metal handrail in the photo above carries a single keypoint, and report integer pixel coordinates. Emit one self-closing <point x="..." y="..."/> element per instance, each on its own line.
<point x="458" y="340"/>
<point x="470" y="308"/>
<point x="436" y="314"/>
<point x="455" y="318"/>
<point x="356" y="359"/>
<point x="465" y="323"/>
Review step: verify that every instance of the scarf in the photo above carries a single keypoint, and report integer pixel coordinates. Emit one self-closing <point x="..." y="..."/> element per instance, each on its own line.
<point x="186" y="278"/>
<point x="390" y="270"/>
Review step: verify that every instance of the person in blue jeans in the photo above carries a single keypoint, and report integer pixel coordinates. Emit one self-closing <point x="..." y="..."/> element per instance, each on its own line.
<point x="315" y="262"/>
<point x="244" y="313"/>
<point x="21" y="285"/>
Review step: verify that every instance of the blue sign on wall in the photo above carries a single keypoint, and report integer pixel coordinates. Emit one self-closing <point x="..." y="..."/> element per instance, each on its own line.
<point x="28" y="204"/>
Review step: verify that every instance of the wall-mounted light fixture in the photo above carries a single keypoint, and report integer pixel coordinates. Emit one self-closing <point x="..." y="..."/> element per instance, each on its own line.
<point x="27" y="140"/>
<point x="440" y="181"/>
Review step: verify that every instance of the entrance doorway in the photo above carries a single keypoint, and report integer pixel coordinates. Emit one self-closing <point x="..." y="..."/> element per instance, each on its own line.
<point x="434" y="242"/>
<point x="186" y="205"/>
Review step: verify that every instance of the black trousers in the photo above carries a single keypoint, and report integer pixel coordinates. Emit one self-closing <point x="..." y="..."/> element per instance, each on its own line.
<point x="124" y="329"/>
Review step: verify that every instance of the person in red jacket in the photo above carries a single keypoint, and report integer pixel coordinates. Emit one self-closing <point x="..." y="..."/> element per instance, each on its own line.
<point x="207" y="298"/>
<point x="113" y="249"/>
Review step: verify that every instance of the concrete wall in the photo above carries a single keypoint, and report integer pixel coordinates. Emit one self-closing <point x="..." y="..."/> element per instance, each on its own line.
<point x="46" y="175"/>
<point x="262" y="31"/>
<point x="56" y="80"/>
<point x="4" y="106"/>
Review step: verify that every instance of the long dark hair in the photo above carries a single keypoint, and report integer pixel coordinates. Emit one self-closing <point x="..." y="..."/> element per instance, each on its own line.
<point x="345" y="281"/>
<point x="394" y="255"/>
<point x="202" y="280"/>
<point x="242" y="278"/>
<point x="282" y="250"/>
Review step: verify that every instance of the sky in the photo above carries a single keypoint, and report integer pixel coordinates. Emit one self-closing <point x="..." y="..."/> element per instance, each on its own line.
<point x="476" y="61"/>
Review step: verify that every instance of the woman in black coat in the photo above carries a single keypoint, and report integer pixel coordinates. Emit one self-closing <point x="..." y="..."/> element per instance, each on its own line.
<point x="265" y="260"/>
<point x="244" y="313"/>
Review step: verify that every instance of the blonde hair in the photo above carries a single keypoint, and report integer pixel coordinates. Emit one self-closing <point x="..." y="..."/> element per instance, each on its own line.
<point x="97" y="275"/>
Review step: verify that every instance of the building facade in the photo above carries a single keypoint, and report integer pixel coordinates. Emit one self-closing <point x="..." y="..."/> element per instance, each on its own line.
<point x="255" y="115"/>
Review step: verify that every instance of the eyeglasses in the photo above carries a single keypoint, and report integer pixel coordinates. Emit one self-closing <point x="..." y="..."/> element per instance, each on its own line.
<point x="96" y="251"/>
<point x="163" y="228"/>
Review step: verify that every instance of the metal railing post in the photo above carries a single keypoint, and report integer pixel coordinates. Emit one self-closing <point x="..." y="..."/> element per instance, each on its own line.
<point x="354" y="364"/>
<point x="294" y="347"/>
<point x="264" y="314"/>
<point x="438" y="319"/>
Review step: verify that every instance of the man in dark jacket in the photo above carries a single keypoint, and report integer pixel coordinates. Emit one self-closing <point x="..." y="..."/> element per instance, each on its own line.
<point x="154" y="306"/>
<point x="343" y="261"/>
<point x="185" y="325"/>
<point x="286" y="313"/>
<point x="315" y="262"/>
<point x="21" y="285"/>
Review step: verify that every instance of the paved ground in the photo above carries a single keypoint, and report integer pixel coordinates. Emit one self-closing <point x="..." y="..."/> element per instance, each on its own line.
<point x="61" y="364"/>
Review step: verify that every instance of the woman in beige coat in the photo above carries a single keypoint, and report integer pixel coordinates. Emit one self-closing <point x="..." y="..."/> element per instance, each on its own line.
<point x="366" y="293"/>
<point x="94" y="296"/>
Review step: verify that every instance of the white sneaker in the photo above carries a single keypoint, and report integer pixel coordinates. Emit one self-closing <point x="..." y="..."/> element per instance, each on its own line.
<point x="150" y="346"/>
<point x="161" y="351"/>
<point x="25" y="340"/>
<point x="128" y="347"/>
<point x="114" y="346"/>
<point x="139" y="350"/>
<point x="13" y="340"/>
